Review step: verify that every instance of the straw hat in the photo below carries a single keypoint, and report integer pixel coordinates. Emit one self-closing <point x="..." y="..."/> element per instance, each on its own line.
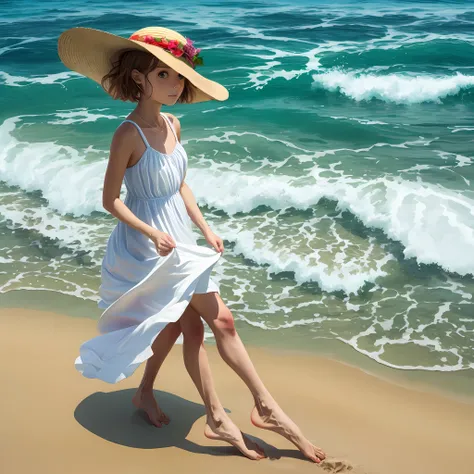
<point x="91" y="53"/>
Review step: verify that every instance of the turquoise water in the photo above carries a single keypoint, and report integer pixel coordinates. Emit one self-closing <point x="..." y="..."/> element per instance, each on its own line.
<point x="339" y="172"/>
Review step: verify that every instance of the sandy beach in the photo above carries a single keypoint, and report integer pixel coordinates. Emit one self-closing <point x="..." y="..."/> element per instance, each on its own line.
<point x="56" y="421"/>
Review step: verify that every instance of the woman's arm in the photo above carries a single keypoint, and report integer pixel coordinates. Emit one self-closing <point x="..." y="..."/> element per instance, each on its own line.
<point x="197" y="217"/>
<point x="121" y="149"/>
<point x="192" y="208"/>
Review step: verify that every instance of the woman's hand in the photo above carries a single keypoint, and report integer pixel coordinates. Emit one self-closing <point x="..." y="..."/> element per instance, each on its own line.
<point x="215" y="241"/>
<point x="164" y="243"/>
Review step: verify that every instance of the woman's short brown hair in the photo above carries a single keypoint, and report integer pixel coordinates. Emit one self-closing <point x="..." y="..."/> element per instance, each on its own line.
<point x="120" y="85"/>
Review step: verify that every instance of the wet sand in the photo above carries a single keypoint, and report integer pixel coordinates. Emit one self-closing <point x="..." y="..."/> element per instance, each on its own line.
<point x="56" y="421"/>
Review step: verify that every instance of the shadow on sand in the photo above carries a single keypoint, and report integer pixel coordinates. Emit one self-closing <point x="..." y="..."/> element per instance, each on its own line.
<point x="113" y="417"/>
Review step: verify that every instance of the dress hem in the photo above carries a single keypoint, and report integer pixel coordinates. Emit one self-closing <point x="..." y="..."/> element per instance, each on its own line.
<point x="125" y="341"/>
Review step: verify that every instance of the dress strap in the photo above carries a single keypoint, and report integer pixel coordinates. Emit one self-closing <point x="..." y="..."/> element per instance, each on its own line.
<point x="171" y="126"/>
<point x="140" y="132"/>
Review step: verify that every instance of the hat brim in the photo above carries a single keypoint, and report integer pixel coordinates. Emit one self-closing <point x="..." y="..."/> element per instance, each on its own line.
<point x="90" y="52"/>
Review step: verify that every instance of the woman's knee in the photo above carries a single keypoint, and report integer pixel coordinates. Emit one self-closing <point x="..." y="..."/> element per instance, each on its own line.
<point x="224" y="322"/>
<point x="217" y="315"/>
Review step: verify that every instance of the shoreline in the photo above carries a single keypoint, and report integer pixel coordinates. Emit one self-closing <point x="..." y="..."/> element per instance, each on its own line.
<point x="400" y="377"/>
<point x="457" y="385"/>
<point x="67" y="423"/>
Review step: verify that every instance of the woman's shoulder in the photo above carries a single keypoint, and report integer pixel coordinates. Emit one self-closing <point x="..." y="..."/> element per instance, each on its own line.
<point x="126" y="134"/>
<point x="126" y="130"/>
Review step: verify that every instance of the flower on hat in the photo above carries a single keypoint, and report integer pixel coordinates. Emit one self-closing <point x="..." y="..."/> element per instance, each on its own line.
<point x="148" y="39"/>
<point x="175" y="47"/>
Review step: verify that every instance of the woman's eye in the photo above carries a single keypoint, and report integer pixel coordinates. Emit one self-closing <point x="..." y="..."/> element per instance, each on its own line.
<point x="164" y="72"/>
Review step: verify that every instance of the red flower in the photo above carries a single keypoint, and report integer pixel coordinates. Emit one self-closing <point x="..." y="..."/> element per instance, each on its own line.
<point x="149" y="39"/>
<point x="177" y="52"/>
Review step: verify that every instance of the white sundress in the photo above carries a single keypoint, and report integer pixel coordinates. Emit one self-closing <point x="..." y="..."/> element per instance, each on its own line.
<point x="141" y="291"/>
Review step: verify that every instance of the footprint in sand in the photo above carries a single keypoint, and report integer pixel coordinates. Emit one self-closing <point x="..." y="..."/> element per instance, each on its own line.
<point x="337" y="465"/>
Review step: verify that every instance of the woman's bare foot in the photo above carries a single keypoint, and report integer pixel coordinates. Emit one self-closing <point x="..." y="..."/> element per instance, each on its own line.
<point x="223" y="428"/>
<point x="275" y="419"/>
<point x="145" y="400"/>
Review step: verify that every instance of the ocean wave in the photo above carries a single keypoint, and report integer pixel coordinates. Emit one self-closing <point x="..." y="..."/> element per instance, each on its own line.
<point x="434" y="224"/>
<point x="346" y="273"/>
<point x="21" y="81"/>
<point x="60" y="172"/>
<point x="23" y="41"/>
<point x="397" y="88"/>
<point x="81" y="115"/>
<point x="71" y="184"/>
<point x="78" y="236"/>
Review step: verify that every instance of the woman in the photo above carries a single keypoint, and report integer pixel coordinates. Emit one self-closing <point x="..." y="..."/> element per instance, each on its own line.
<point x="156" y="280"/>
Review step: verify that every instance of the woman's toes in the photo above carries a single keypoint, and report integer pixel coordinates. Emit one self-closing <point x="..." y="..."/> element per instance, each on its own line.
<point x="251" y="448"/>
<point x="320" y="453"/>
<point x="260" y="450"/>
<point x="247" y="449"/>
<point x="157" y="423"/>
<point x="315" y="454"/>
<point x="254" y="456"/>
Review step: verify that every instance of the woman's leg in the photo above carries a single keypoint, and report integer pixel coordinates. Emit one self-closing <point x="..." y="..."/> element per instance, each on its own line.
<point x="267" y="414"/>
<point x="218" y="424"/>
<point x="144" y="397"/>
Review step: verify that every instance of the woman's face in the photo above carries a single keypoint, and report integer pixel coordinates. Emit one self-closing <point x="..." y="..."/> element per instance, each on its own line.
<point x="164" y="85"/>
